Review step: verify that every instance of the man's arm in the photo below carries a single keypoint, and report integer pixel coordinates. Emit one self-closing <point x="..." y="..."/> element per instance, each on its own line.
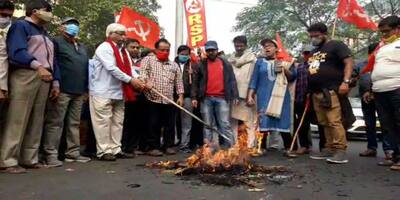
<point x="106" y="56"/>
<point x="17" y="47"/>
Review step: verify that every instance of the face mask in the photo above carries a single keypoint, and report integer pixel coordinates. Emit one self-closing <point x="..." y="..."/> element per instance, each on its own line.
<point x="72" y="29"/>
<point x="162" y="55"/>
<point x="183" y="58"/>
<point x="4" y="22"/>
<point x="391" y="38"/>
<point x="44" y="15"/>
<point x="316" y="41"/>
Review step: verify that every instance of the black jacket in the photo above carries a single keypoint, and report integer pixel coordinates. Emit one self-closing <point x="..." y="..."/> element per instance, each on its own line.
<point x="185" y="76"/>
<point x="199" y="86"/>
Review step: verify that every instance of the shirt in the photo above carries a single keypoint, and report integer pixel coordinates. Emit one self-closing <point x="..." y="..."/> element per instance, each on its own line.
<point x="215" y="85"/>
<point x="105" y="78"/>
<point x="165" y="76"/>
<point x="386" y="73"/>
<point x="326" y="68"/>
<point x="301" y="83"/>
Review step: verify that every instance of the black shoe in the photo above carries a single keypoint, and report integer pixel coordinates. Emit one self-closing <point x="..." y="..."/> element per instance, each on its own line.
<point x="123" y="155"/>
<point x="107" y="157"/>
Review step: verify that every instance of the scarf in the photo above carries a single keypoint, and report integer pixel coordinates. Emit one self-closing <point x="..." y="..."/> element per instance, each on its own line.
<point x="275" y="103"/>
<point x="124" y="65"/>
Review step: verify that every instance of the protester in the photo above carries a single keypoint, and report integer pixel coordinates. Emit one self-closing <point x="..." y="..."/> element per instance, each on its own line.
<point x="216" y="88"/>
<point x="369" y="112"/>
<point x="330" y="71"/>
<point x="269" y="82"/>
<point x="110" y="84"/>
<point x="134" y="129"/>
<point x="6" y="12"/>
<point x="242" y="61"/>
<point x="386" y="82"/>
<point x="188" y="70"/>
<point x="164" y="76"/>
<point x="32" y="73"/>
<point x="65" y="112"/>
<point x="300" y="102"/>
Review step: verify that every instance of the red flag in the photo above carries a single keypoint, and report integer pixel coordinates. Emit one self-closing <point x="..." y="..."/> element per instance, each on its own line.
<point x="139" y="27"/>
<point x="282" y="53"/>
<point x="196" y="22"/>
<point x="350" y="11"/>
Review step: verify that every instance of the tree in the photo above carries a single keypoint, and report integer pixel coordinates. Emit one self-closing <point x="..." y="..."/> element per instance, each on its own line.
<point x="95" y="15"/>
<point x="291" y="18"/>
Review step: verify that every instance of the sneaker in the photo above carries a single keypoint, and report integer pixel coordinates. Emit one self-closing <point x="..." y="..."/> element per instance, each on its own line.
<point x="368" y="153"/>
<point x="338" y="158"/>
<point x="123" y="155"/>
<point x="170" y="151"/>
<point x="80" y="159"/>
<point x="155" y="153"/>
<point x="323" y="155"/>
<point x="53" y="162"/>
<point x="107" y="157"/>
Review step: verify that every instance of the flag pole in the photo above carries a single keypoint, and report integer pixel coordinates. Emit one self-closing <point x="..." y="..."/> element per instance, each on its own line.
<point x="334" y="27"/>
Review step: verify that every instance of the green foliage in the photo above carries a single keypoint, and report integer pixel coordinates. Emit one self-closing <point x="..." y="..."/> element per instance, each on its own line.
<point x="291" y="18"/>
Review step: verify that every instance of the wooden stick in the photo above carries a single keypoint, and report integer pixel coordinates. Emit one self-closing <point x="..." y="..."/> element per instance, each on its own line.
<point x="334" y="27"/>
<point x="300" y="125"/>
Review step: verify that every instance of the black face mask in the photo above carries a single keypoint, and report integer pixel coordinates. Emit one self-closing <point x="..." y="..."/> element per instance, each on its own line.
<point x="212" y="57"/>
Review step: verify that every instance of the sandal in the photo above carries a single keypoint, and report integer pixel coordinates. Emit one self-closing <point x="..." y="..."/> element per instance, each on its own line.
<point x="395" y="167"/>
<point x="13" y="170"/>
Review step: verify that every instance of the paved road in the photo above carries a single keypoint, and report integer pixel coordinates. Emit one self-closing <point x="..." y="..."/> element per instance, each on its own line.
<point x="361" y="179"/>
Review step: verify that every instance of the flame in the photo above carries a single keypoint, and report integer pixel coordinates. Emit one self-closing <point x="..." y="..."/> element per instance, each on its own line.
<point x="206" y="156"/>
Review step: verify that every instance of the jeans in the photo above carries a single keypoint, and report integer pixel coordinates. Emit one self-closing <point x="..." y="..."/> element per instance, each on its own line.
<point x="186" y="123"/>
<point x="388" y="107"/>
<point x="369" y="112"/>
<point x="216" y="112"/>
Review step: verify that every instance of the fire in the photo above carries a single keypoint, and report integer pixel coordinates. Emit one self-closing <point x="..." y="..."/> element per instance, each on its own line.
<point x="205" y="157"/>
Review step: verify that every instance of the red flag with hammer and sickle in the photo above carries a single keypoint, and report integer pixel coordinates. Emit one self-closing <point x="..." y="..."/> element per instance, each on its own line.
<point x="282" y="53"/>
<point x="139" y="27"/>
<point x="350" y="11"/>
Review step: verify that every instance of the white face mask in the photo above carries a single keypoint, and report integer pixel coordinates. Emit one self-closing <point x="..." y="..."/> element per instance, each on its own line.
<point x="5" y="21"/>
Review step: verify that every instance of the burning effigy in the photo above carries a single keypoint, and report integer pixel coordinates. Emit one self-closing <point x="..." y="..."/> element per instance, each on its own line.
<point x="227" y="167"/>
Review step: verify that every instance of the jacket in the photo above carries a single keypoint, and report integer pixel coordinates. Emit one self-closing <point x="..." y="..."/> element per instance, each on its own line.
<point x="186" y="74"/>
<point x="199" y="86"/>
<point x="29" y="46"/>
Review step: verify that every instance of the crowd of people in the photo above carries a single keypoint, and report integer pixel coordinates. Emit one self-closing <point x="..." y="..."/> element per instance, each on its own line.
<point x="49" y="85"/>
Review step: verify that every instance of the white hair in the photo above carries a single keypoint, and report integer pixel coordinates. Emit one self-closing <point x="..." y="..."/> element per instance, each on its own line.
<point x="114" y="27"/>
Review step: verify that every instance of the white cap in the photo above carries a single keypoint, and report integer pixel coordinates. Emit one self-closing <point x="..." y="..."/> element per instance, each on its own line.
<point x="114" y="27"/>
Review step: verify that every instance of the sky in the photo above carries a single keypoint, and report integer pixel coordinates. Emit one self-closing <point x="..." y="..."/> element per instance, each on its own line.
<point x="220" y="19"/>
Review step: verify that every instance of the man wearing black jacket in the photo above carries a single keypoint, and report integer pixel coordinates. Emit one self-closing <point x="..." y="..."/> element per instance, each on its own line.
<point x="189" y="70"/>
<point x="215" y="86"/>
